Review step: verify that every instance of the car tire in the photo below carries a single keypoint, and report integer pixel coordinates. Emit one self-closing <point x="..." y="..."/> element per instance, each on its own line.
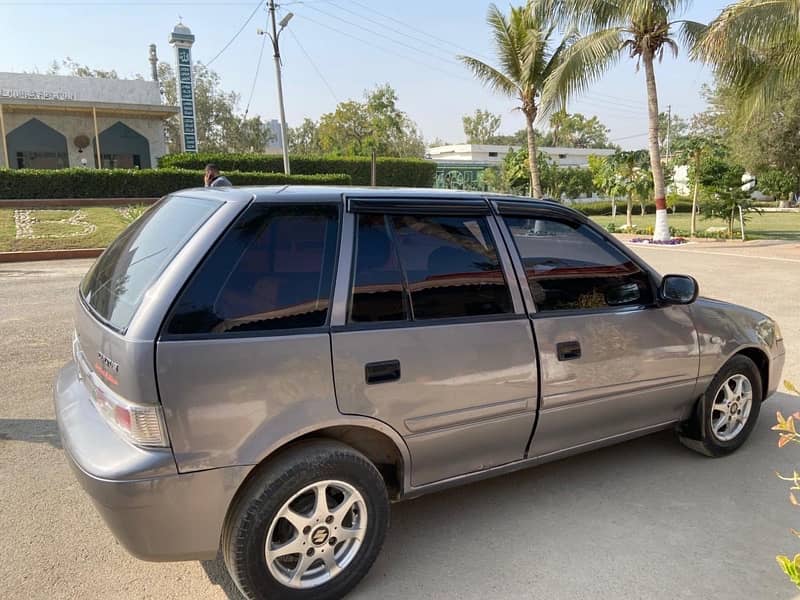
<point x="727" y="412"/>
<point x="278" y="512"/>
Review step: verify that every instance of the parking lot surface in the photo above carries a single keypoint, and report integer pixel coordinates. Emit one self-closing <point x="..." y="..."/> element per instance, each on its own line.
<point x="644" y="519"/>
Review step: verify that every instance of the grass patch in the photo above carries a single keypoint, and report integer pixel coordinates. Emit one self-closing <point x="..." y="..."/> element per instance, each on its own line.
<point x="765" y="226"/>
<point x="59" y="229"/>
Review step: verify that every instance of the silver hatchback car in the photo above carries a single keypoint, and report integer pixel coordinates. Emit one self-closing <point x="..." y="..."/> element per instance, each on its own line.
<point x="263" y="370"/>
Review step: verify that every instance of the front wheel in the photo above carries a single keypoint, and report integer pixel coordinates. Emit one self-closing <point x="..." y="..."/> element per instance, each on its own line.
<point x="728" y="411"/>
<point x="309" y="526"/>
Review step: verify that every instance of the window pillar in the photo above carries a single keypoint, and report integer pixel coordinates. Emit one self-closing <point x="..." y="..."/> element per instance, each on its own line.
<point x="96" y="139"/>
<point x="6" y="159"/>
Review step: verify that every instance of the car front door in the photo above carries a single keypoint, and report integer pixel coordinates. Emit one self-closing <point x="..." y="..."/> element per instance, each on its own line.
<point x="614" y="361"/>
<point x="430" y="338"/>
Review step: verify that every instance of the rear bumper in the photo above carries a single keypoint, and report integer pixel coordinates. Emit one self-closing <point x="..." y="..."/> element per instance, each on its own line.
<point x="155" y="512"/>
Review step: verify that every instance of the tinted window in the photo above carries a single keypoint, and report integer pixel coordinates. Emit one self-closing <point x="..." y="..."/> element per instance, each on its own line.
<point x="377" y="282"/>
<point x="273" y="270"/>
<point x="571" y="266"/>
<point x="116" y="283"/>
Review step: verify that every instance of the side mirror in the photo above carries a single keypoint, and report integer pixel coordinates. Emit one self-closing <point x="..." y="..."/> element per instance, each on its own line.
<point x="678" y="289"/>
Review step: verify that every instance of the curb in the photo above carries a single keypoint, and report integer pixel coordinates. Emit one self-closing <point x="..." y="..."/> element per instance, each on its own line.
<point x="33" y="255"/>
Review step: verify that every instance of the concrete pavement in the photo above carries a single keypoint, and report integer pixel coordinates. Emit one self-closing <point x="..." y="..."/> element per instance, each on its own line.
<point x="645" y="519"/>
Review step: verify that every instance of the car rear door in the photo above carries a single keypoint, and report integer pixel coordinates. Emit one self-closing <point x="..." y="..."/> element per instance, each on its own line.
<point x="429" y="337"/>
<point x="614" y="361"/>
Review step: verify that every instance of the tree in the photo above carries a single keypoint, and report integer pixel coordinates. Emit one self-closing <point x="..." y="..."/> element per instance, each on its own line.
<point x="75" y="69"/>
<point x="576" y="131"/>
<point x="676" y="128"/>
<point x="643" y="30"/>
<point x="623" y="174"/>
<point x="358" y="128"/>
<point x="304" y="139"/>
<point x="520" y="138"/>
<point x="721" y="179"/>
<point x="220" y="127"/>
<point x="524" y="43"/>
<point x="778" y="184"/>
<point x="481" y="127"/>
<point x="557" y="182"/>
<point x="753" y="46"/>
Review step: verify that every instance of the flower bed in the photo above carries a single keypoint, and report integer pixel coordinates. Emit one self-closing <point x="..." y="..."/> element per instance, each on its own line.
<point x="675" y="241"/>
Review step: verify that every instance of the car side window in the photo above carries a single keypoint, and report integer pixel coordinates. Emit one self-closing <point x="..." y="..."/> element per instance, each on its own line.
<point x="569" y="266"/>
<point x="273" y="270"/>
<point x="377" y="293"/>
<point x="426" y="267"/>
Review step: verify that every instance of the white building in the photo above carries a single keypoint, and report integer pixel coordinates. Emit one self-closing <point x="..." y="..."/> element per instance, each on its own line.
<point x="460" y="165"/>
<point x="52" y="122"/>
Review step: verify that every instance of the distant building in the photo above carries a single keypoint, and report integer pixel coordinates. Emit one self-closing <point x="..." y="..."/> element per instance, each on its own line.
<point x="459" y="166"/>
<point x="54" y="122"/>
<point x="275" y="145"/>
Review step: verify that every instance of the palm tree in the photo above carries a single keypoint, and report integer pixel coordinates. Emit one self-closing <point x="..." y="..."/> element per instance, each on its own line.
<point x="754" y="45"/>
<point x="642" y="29"/>
<point x="524" y="43"/>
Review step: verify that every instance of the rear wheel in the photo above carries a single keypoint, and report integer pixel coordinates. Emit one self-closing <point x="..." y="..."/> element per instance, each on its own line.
<point x="309" y="526"/>
<point x="728" y="411"/>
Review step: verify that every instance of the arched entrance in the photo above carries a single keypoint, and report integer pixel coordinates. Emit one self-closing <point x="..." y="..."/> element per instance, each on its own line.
<point x="34" y="145"/>
<point x="123" y="148"/>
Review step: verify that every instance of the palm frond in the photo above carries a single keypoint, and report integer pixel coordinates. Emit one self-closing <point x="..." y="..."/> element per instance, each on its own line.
<point x="580" y="65"/>
<point x="690" y="34"/>
<point x="506" y="41"/>
<point x="490" y="76"/>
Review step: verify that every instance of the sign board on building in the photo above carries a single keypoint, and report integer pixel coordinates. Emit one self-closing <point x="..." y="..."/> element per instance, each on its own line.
<point x="36" y="94"/>
<point x="186" y="93"/>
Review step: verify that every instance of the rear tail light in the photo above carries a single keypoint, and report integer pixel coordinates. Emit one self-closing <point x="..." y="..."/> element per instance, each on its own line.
<point x="141" y="425"/>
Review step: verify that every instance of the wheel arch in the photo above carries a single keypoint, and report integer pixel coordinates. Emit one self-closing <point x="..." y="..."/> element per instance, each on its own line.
<point x="761" y="360"/>
<point x="379" y="443"/>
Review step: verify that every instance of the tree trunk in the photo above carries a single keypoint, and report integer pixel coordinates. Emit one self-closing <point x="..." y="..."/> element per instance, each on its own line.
<point x="533" y="159"/>
<point x="661" y="232"/>
<point x="692" y="229"/>
<point x="629" y="215"/>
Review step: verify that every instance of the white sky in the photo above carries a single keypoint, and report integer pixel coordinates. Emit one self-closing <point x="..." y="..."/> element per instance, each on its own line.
<point x="355" y="44"/>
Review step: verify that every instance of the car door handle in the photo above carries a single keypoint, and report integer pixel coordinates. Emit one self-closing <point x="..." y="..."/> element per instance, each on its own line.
<point x="568" y="350"/>
<point x="382" y="372"/>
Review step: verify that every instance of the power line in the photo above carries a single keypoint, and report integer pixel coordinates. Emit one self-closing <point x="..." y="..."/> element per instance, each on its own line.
<point x="447" y="51"/>
<point x="255" y="77"/>
<point x="412" y="28"/>
<point x="313" y="64"/>
<point x="628" y="137"/>
<point x="236" y="35"/>
<point x="378" y="34"/>
<point x="383" y="49"/>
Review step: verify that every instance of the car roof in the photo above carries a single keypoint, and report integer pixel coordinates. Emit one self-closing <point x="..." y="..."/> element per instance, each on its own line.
<point x="311" y="193"/>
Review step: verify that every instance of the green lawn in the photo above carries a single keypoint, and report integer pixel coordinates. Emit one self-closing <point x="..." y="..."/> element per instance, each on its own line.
<point x="765" y="226"/>
<point x="49" y="229"/>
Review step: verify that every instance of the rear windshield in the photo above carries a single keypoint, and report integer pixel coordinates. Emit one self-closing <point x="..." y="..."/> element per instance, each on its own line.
<point x="116" y="283"/>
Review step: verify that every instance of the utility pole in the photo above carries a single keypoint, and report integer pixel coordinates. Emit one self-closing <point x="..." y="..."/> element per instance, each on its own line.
<point x="277" y="54"/>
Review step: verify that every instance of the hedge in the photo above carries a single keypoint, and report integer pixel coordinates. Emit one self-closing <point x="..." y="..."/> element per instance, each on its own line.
<point x="132" y="183"/>
<point x="603" y="207"/>
<point x="401" y="172"/>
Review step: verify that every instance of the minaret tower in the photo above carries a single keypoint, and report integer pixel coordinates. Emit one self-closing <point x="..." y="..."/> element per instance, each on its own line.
<point x="182" y="39"/>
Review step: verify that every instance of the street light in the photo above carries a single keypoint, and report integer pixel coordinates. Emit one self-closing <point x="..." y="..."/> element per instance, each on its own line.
<point x="277" y="55"/>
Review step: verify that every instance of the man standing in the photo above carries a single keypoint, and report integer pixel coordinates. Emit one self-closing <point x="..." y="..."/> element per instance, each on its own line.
<point x="213" y="178"/>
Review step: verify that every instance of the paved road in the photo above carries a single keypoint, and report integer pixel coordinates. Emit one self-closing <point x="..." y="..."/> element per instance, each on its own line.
<point x="645" y="519"/>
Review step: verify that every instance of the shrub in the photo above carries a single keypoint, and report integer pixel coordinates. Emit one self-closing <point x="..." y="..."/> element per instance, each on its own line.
<point x="403" y="172"/>
<point x="603" y="207"/>
<point x="131" y="183"/>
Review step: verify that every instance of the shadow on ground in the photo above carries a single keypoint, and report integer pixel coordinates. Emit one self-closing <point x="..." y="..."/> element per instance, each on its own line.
<point x="36" y="431"/>
<point x="218" y="575"/>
